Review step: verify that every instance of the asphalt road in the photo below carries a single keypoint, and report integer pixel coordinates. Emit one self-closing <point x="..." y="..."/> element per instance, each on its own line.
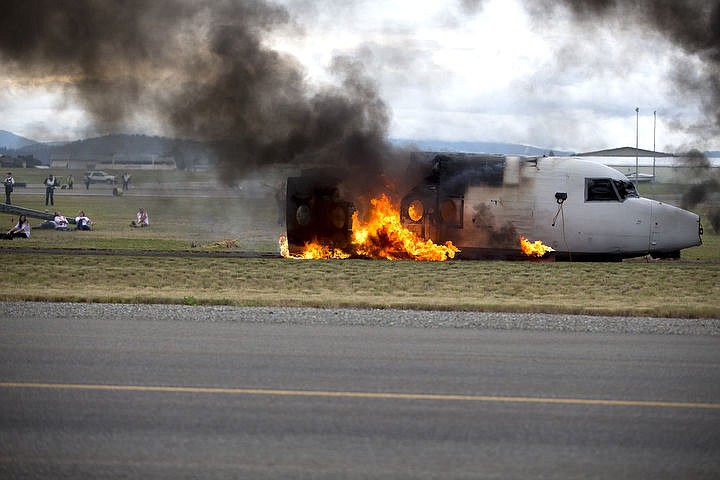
<point x="126" y="393"/>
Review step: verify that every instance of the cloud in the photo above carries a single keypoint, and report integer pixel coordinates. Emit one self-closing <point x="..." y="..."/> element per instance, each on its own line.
<point x="689" y="28"/>
<point x="255" y="76"/>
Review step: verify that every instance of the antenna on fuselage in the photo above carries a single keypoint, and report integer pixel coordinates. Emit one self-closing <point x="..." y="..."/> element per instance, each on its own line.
<point x="560" y="198"/>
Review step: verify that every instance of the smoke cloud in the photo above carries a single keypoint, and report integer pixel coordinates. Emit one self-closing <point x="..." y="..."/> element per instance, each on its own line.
<point x="691" y="25"/>
<point x="705" y="183"/>
<point x="202" y="69"/>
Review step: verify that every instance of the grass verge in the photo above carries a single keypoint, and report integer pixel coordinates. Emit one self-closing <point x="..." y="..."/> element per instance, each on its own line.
<point x="659" y="289"/>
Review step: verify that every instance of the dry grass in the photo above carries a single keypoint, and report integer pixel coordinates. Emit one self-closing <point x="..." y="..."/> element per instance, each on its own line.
<point x="673" y="289"/>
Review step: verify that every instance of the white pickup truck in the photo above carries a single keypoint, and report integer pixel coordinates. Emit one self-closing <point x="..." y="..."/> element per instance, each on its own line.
<point x="98" y="176"/>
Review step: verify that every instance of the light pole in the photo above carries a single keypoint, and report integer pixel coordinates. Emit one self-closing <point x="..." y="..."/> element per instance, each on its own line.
<point x="654" y="129"/>
<point x="637" y="136"/>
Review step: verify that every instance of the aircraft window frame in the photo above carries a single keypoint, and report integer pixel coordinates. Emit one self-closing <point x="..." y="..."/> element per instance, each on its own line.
<point x="593" y="192"/>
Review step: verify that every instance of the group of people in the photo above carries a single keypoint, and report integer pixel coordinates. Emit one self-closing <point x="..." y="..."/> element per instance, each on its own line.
<point x="51" y="182"/>
<point x="59" y="222"/>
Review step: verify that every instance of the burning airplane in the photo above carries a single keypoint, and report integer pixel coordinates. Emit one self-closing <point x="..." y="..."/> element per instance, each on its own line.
<point x="490" y="207"/>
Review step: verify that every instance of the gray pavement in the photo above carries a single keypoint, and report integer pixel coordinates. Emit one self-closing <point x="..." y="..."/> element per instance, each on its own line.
<point x="154" y="391"/>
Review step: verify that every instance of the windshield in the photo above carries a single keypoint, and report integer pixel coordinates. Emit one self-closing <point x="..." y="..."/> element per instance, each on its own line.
<point x="625" y="188"/>
<point x="608" y="190"/>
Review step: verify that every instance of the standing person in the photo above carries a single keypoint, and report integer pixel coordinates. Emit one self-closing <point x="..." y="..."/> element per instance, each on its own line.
<point x="70" y="181"/>
<point x="87" y="182"/>
<point x="21" y="230"/>
<point x="50" y="184"/>
<point x="126" y="181"/>
<point x="9" y="187"/>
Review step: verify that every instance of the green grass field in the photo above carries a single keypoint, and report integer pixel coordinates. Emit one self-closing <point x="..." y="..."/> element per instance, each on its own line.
<point x="686" y="288"/>
<point x="176" y="223"/>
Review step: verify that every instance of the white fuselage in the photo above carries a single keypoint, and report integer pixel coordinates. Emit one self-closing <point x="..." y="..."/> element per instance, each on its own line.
<point x="626" y="227"/>
<point x="579" y="208"/>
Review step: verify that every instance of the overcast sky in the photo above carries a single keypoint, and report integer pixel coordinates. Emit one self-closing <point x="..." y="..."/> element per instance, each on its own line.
<point x="492" y="70"/>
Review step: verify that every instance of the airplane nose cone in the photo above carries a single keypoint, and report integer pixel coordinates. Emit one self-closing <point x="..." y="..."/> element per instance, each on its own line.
<point x="673" y="229"/>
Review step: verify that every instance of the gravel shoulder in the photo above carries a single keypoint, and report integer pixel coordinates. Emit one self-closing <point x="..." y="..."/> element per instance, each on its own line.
<point x="362" y="317"/>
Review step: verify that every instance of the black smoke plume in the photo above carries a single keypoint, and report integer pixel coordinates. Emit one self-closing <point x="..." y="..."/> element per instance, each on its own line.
<point x="704" y="184"/>
<point x="204" y="70"/>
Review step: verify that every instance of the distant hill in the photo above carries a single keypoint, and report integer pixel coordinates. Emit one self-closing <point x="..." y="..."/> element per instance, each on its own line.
<point x="187" y="152"/>
<point x="184" y="151"/>
<point x="10" y="141"/>
<point x="477" y="147"/>
<point x="118" y="144"/>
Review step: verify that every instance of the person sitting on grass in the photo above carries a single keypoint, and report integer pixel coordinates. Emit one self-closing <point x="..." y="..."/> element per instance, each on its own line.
<point x="61" y="222"/>
<point x="21" y="230"/>
<point x="82" y="222"/>
<point x="142" y="219"/>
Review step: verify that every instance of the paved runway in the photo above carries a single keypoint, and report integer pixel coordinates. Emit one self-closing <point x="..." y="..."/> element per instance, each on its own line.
<point x="123" y="393"/>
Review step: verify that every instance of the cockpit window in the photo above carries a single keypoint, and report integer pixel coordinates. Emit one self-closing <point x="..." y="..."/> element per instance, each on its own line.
<point x="600" y="190"/>
<point x="608" y="190"/>
<point x="625" y="188"/>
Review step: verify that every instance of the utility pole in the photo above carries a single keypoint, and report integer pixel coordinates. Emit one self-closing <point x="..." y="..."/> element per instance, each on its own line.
<point x="637" y="143"/>
<point x="654" y="129"/>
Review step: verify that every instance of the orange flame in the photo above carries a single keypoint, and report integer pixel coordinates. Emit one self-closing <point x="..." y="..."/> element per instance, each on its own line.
<point x="311" y="251"/>
<point x="534" y="249"/>
<point x="284" y="248"/>
<point x="382" y="236"/>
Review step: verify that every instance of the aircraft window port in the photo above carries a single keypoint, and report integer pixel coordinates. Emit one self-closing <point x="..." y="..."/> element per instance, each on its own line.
<point x="600" y="190"/>
<point x="415" y="210"/>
